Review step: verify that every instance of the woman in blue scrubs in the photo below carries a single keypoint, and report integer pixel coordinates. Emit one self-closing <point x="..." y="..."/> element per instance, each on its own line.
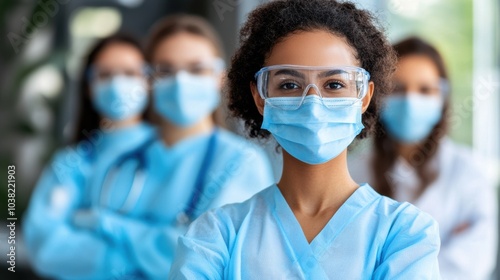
<point x="112" y="99"/>
<point x="195" y="164"/>
<point x="309" y="72"/>
<point x="132" y="210"/>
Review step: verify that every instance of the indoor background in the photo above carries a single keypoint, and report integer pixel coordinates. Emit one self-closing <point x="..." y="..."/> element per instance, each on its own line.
<point x="44" y="42"/>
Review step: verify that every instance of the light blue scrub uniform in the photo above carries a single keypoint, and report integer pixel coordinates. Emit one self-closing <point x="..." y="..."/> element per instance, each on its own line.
<point x="139" y="242"/>
<point x="149" y="232"/>
<point x="369" y="237"/>
<point x="57" y="248"/>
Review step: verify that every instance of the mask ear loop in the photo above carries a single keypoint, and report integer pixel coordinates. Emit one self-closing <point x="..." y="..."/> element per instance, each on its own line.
<point x="219" y="66"/>
<point x="362" y="79"/>
<point x="261" y="78"/>
<point x="261" y="84"/>
<point x="444" y="87"/>
<point x="362" y="84"/>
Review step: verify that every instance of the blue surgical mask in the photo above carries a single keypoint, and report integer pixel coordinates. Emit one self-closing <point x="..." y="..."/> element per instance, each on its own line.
<point x="317" y="131"/>
<point x="185" y="99"/>
<point x="411" y="118"/>
<point x="120" y="97"/>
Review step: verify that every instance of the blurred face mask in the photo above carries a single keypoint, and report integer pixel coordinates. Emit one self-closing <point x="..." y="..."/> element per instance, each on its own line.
<point x="120" y="97"/>
<point x="411" y="118"/>
<point x="184" y="99"/>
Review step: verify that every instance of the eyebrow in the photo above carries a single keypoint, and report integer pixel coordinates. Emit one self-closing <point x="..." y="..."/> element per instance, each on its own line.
<point x="332" y="72"/>
<point x="290" y="72"/>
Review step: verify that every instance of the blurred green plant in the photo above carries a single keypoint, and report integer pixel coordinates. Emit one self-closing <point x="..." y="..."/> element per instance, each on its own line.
<point x="14" y="124"/>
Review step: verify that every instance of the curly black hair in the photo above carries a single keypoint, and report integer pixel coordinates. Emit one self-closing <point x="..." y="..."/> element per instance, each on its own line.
<point x="272" y="22"/>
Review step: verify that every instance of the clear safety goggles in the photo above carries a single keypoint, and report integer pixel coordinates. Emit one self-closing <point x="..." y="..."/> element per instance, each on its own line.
<point x="207" y="68"/>
<point x="102" y="73"/>
<point x="285" y="81"/>
<point x="440" y="88"/>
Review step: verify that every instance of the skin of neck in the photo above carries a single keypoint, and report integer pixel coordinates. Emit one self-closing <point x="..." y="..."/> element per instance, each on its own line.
<point x="319" y="188"/>
<point x="406" y="151"/>
<point x="172" y="133"/>
<point x="125" y="123"/>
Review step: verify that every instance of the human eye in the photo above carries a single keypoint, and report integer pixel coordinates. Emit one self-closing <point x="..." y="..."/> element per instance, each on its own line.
<point x="339" y="86"/>
<point x="334" y="85"/>
<point x="429" y="90"/>
<point x="197" y="69"/>
<point x="201" y="68"/>
<point x="164" y="70"/>
<point x="103" y="74"/>
<point x="133" y="72"/>
<point x="425" y="90"/>
<point x="289" y="85"/>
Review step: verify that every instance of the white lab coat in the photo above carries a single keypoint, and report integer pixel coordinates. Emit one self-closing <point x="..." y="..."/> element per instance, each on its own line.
<point x="462" y="194"/>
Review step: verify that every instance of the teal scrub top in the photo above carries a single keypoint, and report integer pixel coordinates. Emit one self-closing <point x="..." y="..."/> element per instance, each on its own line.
<point x="369" y="237"/>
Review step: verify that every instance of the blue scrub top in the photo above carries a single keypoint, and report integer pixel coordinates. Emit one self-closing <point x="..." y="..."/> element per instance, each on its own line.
<point x="236" y="172"/>
<point x="140" y="242"/>
<point x="57" y="248"/>
<point x="369" y="237"/>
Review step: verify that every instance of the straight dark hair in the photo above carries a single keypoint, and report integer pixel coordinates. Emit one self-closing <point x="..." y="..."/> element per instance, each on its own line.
<point x="385" y="147"/>
<point x="88" y="117"/>
<point x="182" y="23"/>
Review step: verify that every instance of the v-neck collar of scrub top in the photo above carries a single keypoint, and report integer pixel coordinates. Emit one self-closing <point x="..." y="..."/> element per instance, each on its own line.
<point x="161" y="157"/>
<point x="181" y="147"/>
<point x="305" y="253"/>
<point x="163" y="160"/>
<point x="123" y="137"/>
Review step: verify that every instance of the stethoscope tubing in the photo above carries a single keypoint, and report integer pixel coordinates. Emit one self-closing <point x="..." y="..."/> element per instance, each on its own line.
<point x="139" y="180"/>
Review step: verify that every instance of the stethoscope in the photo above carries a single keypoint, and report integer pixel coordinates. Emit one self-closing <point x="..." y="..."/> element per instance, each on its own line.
<point x="189" y="213"/>
<point x="100" y="196"/>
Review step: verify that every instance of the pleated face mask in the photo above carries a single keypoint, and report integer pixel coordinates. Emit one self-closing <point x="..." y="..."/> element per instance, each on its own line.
<point x="411" y="118"/>
<point x="185" y="99"/>
<point x="120" y="97"/>
<point x="317" y="131"/>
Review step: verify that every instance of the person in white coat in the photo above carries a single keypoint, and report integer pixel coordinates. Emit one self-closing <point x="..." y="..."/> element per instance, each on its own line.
<point x="415" y="161"/>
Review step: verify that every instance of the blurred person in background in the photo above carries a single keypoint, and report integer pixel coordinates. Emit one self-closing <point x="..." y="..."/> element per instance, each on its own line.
<point x="415" y="161"/>
<point x="134" y="207"/>
<point x="195" y="164"/>
<point x="113" y="96"/>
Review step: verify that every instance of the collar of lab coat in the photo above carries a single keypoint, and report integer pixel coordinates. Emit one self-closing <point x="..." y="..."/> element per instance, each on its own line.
<point x="404" y="177"/>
